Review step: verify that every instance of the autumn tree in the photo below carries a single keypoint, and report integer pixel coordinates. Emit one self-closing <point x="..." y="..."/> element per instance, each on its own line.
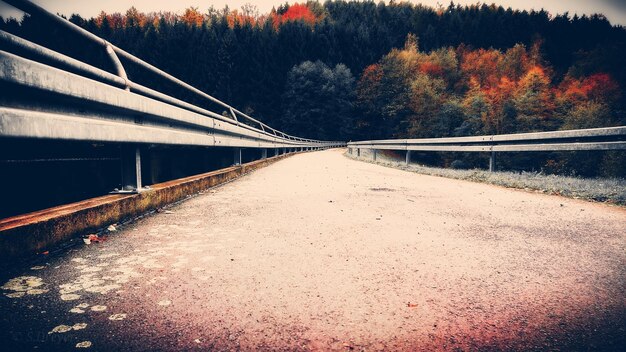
<point x="534" y="102"/>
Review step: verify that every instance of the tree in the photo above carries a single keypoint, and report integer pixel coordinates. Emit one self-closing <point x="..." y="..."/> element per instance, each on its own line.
<point x="318" y="101"/>
<point x="425" y="98"/>
<point x="534" y="102"/>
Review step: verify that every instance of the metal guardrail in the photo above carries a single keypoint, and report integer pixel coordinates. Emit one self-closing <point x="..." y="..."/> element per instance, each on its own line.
<point x="53" y="96"/>
<point x="609" y="138"/>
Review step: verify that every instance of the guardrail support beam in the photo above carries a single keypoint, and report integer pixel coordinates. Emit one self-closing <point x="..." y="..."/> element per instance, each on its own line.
<point x="131" y="170"/>
<point x="374" y="152"/>
<point x="408" y="157"/>
<point x="264" y="153"/>
<point x="492" y="162"/>
<point x="237" y="156"/>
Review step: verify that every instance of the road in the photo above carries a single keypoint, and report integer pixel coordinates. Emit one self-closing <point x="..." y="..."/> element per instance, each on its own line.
<point x="319" y="252"/>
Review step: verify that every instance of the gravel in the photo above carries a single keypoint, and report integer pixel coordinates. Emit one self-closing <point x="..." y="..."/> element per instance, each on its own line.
<point x="609" y="190"/>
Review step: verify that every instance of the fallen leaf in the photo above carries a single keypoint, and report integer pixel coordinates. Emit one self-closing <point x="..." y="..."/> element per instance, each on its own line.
<point x="60" y="329"/>
<point x="69" y="297"/>
<point x="22" y="283"/>
<point x="79" y="326"/>
<point x="96" y="238"/>
<point x="84" y="344"/>
<point x="411" y="305"/>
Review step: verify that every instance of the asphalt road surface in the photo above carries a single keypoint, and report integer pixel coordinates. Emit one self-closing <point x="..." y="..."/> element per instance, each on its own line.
<point x="320" y="252"/>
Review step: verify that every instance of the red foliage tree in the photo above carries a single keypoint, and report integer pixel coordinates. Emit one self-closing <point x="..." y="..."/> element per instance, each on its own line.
<point x="296" y="12"/>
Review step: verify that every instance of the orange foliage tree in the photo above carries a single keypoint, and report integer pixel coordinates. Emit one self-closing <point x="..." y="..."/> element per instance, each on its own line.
<point x="192" y="17"/>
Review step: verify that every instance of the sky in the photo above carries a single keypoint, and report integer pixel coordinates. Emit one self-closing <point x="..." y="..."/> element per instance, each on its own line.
<point x="614" y="10"/>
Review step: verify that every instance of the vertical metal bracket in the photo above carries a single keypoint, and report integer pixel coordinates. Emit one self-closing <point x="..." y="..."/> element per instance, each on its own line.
<point x="232" y="112"/>
<point x="131" y="170"/>
<point x="119" y="68"/>
<point x="237" y="156"/>
<point x="408" y="157"/>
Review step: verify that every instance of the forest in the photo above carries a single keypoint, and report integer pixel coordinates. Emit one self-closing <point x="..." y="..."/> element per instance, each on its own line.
<point x="348" y="70"/>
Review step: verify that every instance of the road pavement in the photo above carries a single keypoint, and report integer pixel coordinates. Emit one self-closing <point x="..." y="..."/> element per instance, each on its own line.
<point x="321" y="252"/>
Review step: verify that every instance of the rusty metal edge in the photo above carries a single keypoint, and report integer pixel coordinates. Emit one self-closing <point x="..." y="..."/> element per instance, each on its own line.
<point x="29" y="234"/>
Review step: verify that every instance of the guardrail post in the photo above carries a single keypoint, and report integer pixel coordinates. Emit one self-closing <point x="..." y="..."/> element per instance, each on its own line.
<point x="237" y="156"/>
<point x="492" y="161"/>
<point x="408" y="157"/>
<point x="131" y="170"/>
<point x="358" y="152"/>
<point x="374" y="154"/>
<point x="264" y="153"/>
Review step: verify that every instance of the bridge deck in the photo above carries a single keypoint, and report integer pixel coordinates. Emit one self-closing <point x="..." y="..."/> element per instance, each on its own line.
<point x="322" y="252"/>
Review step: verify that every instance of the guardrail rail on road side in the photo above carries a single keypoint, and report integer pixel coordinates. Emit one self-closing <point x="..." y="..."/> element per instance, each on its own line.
<point x="608" y="138"/>
<point x="51" y="96"/>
